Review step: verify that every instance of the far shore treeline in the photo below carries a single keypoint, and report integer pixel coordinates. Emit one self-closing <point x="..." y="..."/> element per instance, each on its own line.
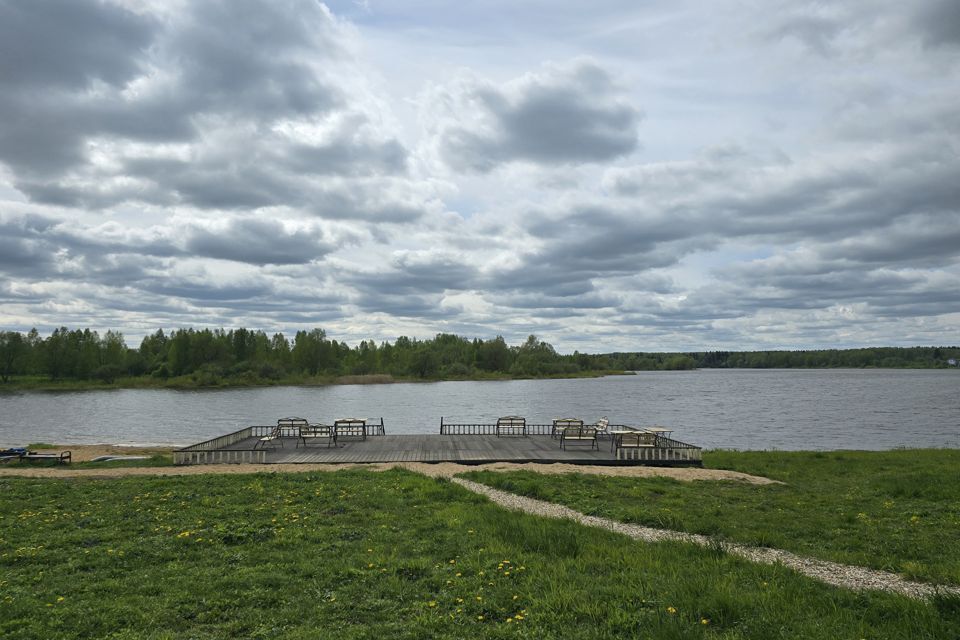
<point x="205" y="357"/>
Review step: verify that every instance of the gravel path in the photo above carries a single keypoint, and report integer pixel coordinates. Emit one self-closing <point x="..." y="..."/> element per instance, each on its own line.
<point x="839" y="575"/>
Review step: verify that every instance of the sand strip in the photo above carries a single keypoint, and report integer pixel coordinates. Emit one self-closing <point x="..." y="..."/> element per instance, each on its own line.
<point x="440" y="469"/>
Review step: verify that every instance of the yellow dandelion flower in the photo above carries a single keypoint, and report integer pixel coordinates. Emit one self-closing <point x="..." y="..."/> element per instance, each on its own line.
<point x="704" y="621"/>
<point x="479" y="617"/>
<point x="671" y="610"/>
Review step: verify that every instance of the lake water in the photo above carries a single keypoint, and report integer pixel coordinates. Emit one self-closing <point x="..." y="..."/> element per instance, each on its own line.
<point x="713" y="408"/>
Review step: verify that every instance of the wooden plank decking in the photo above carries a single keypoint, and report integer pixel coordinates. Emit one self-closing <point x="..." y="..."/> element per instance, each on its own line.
<point x="436" y="448"/>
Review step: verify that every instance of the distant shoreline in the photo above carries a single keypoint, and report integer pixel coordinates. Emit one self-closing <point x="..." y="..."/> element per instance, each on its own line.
<point x="187" y="382"/>
<point x="182" y="383"/>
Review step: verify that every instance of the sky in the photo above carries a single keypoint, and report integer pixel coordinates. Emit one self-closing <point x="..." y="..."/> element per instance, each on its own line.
<point x="609" y="176"/>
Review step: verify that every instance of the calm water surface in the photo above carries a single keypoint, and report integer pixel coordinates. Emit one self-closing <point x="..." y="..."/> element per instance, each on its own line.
<point x="741" y="408"/>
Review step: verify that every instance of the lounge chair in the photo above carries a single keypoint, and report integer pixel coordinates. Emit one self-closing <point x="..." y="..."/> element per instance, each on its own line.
<point x="603" y="427"/>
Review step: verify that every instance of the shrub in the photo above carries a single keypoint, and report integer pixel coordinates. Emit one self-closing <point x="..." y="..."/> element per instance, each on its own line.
<point x="108" y="372"/>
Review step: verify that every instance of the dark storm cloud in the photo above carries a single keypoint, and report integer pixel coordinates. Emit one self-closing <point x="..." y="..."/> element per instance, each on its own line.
<point x="212" y="183"/>
<point x="258" y="174"/>
<point x="939" y="22"/>
<point x="347" y="154"/>
<point x="411" y="275"/>
<point x="123" y="271"/>
<point x="212" y="293"/>
<point x="884" y="293"/>
<point x="69" y="44"/>
<point x="214" y="80"/>
<point x="24" y="248"/>
<point x="258" y="242"/>
<point x="561" y="116"/>
<point x="921" y="240"/>
<point x="559" y="305"/>
<point x="51" y="55"/>
<point x="24" y="257"/>
<point x="867" y="27"/>
<point x="250" y="57"/>
<point x="427" y="306"/>
<point x="596" y="241"/>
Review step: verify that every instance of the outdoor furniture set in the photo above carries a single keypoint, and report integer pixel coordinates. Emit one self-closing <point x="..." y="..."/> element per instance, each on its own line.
<point x="570" y="431"/>
<point x="305" y="431"/>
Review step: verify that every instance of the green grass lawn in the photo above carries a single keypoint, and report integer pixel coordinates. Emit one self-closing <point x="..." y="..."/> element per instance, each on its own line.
<point x="358" y="554"/>
<point x="892" y="510"/>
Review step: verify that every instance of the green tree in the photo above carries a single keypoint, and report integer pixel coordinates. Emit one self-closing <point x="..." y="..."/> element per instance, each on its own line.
<point x="494" y="355"/>
<point x="13" y="348"/>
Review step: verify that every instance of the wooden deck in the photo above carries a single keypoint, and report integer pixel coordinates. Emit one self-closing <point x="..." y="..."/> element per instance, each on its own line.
<point x="464" y="449"/>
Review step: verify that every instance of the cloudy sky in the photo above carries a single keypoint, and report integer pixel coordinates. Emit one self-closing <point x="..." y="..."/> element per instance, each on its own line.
<point x="615" y="175"/>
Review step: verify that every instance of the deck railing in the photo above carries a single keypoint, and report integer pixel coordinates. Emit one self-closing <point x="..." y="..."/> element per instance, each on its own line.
<point x="376" y="429"/>
<point x="216" y="450"/>
<point x="487" y="429"/>
<point x="665" y="450"/>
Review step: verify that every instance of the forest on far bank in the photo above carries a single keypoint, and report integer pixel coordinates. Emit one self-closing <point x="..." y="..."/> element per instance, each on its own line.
<point x="205" y="357"/>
